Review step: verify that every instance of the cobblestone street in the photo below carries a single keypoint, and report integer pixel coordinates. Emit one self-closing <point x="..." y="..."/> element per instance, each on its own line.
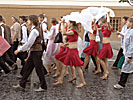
<point x="96" y="88"/>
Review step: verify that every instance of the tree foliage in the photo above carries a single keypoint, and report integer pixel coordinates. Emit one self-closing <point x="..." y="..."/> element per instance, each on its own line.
<point x="123" y="1"/>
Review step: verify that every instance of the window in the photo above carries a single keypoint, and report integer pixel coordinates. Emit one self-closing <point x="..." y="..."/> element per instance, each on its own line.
<point x="116" y="23"/>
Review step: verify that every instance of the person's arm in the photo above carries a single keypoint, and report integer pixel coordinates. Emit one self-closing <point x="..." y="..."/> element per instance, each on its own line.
<point x="59" y="27"/>
<point x="108" y="21"/>
<point x="51" y="32"/>
<point x="129" y="47"/>
<point x="69" y="33"/>
<point x="122" y="33"/>
<point x="63" y="27"/>
<point x="95" y="27"/>
<point x="2" y="29"/>
<point x="99" y="29"/>
<point x="32" y="37"/>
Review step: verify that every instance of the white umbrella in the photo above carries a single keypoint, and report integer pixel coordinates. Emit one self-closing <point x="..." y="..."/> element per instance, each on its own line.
<point x="97" y="12"/>
<point x="84" y="19"/>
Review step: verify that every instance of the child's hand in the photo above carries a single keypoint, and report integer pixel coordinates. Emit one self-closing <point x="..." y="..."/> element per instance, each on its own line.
<point x="128" y="60"/>
<point x="16" y="52"/>
<point x="118" y="33"/>
<point x="94" y="20"/>
<point x="63" y="20"/>
<point x="66" y="44"/>
<point x="108" y="13"/>
<point x="45" y="31"/>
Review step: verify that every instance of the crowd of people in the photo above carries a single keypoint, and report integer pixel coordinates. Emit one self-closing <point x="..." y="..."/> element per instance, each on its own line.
<point x="31" y="41"/>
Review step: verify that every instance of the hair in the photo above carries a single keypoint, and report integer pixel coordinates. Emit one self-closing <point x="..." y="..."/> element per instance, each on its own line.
<point x="125" y="18"/>
<point x="131" y="21"/>
<point x="103" y="20"/>
<point x="34" y="20"/>
<point x="41" y="16"/>
<point x="74" y="23"/>
<point x="16" y="19"/>
<point x="1" y="18"/>
<point x="23" y="18"/>
<point x="53" y="21"/>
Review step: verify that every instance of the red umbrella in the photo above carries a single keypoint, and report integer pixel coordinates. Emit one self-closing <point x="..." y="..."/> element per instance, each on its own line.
<point x="4" y="46"/>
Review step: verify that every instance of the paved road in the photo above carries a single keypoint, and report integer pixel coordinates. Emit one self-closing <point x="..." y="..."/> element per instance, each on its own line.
<point x="96" y="88"/>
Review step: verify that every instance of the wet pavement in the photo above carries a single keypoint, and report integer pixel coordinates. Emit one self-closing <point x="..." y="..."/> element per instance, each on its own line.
<point x="96" y="88"/>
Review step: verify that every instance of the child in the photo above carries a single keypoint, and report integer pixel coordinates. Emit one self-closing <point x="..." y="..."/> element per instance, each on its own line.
<point x="106" y="51"/>
<point x="127" y="67"/>
<point x="121" y="34"/>
<point x="72" y="57"/>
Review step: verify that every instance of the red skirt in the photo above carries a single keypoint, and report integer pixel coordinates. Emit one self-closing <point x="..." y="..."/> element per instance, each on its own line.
<point x="92" y="49"/>
<point x="72" y="58"/>
<point x="62" y="53"/>
<point x="106" y="51"/>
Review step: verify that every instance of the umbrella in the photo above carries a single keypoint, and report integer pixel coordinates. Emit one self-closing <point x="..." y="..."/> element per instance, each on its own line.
<point x="4" y="46"/>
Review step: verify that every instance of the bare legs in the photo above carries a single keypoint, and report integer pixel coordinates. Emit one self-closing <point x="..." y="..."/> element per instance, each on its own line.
<point x="59" y="68"/>
<point x="73" y="75"/>
<point x="97" y="62"/>
<point x="49" y="68"/>
<point x="61" y="77"/>
<point x="80" y="73"/>
<point x="104" y="64"/>
<point x="98" y="66"/>
<point x="86" y="61"/>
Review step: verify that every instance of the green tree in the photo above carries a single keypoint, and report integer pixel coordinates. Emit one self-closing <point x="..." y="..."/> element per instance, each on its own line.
<point x="123" y="1"/>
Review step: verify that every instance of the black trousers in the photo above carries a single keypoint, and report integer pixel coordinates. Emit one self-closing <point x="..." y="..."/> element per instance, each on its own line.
<point x="120" y="54"/>
<point x="22" y="56"/>
<point x="11" y="53"/>
<point x="4" y="66"/>
<point x="14" y="47"/>
<point x="34" y="60"/>
<point x="7" y="59"/>
<point x="123" y="79"/>
<point x="44" y="47"/>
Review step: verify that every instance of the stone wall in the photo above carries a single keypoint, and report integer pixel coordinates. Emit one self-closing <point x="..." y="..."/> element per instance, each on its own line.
<point x="54" y="11"/>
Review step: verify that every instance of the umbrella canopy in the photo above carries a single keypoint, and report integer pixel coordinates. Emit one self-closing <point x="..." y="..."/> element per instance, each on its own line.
<point x="98" y="12"/>
<point x="4" y="46"/>
<point x="84" y="19"/>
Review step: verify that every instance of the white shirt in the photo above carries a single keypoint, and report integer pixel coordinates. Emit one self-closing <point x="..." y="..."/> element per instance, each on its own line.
<point x="2" y="30"/>
<point x="32" y="37"/>
<point x="24" y="33"/>
<point x="122" y="34"/>
<point x="124" y="28"/>
<point x="45" y="19"/>
<point x="44" y="27"/>
<point x="52" y="33"/>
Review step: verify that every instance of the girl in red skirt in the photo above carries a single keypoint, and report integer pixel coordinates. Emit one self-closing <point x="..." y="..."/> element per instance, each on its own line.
<point x="72" y="57"/>
<point x="61" y="55"/>
<point x="106" y="51"/>
<point x="92" y="49"/>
